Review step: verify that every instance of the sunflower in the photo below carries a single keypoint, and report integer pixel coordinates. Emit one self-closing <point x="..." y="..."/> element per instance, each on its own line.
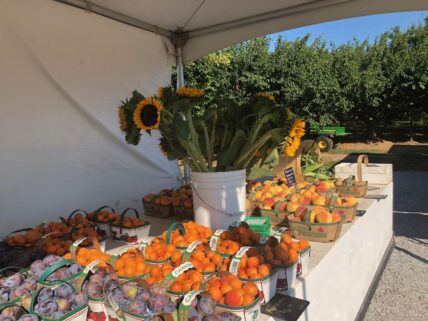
<point x="293" y="140"/>
<point x="266" y="96"/>
<point x="190" y="92"/>
<point x="147" y="114"/>
<point x="123" y="124"/>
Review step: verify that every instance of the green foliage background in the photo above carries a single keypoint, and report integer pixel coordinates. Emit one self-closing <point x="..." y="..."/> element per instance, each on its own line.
<point x="367" y="83"/>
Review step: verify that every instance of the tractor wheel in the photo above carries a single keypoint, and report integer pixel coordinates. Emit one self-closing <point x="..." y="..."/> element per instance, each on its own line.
<point x="324" y="143"/>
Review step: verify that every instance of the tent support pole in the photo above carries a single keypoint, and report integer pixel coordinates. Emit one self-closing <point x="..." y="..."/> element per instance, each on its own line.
<point x="180" y="83"/>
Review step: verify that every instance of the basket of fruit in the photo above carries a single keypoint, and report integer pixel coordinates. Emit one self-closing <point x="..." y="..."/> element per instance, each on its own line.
<point x="156" y="273"/>
<point x="148" y="202"/>
<point x="19" y="239"/>
<point x="84" y="255"/>
<point x="345" y="206"/>
<point x="202" y="258"/>
<point x="199" y="305"/>
<point x="324" y="188"/>
<point x="185" y="233"/>
<point x="354" y="186"/>
<point x="248" y="264"/>
<point x="15" y="311"/>
<point x="234" y="296"/>
<point x="130" y="230"/>
<point x="182" y="280"/>
<point x="316" y="224"/>
<point x="129" y="264"/>
<point x="62" y="303"/>
<point x="156" y="251"/>
<point x="162" y="206"/>
<point x="182" y="203"/>
<point x="138" y="301"/>
<point x="60" y="272"/>
<point x="102" y="218"/>
<point x="17" y="286"/>
<point x="97" y="281"/>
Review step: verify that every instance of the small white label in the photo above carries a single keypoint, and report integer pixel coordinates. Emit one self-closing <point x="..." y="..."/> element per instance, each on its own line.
<point x="188" y="298"/>
<point x="181" y="269"/>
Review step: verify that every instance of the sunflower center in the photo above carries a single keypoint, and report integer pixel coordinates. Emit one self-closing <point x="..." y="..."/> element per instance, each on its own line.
<point x="149" y="115"/>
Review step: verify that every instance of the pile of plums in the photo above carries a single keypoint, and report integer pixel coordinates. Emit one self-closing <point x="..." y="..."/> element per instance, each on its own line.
<point x="39" y="266"/>
<point x="54" y="303"/>
<point x="203" y="309"/>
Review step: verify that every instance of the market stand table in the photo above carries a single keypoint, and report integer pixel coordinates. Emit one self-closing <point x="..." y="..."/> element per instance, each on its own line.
<point x="341" y="273"/>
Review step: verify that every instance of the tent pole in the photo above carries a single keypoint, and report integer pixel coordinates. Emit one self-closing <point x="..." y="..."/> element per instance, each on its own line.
<point x="180" y="83"/>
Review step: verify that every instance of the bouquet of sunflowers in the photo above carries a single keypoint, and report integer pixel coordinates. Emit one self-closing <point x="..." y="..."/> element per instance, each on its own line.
<point x="225" y="137"/>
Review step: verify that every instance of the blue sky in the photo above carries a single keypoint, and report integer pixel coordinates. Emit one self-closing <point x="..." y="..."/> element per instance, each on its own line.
<point x="342" y="31"/>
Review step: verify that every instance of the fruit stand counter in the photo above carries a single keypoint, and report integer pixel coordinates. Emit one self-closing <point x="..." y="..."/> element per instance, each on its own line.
<point x="340" y="273"/>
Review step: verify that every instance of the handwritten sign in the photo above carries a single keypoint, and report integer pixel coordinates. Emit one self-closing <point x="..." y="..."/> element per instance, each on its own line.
<point x="284" y="307"/>
<point x="289" y="176"/>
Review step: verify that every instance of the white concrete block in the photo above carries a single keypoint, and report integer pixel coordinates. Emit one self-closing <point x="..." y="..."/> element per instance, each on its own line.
<point x="374" y="173"/>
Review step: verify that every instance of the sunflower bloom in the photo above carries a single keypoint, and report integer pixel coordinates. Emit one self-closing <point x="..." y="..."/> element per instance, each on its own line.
<point x="266" y="95"/>
<point x="293" y="140"/>
<point x="123" y="124"/>
<point x="147" y="114"/>
<point x="190" y="92"/>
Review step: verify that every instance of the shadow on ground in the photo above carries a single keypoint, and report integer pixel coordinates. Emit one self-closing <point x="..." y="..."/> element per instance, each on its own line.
<point x="403" y="157"/>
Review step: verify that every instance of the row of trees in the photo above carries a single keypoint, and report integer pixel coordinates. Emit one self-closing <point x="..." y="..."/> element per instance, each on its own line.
<point x="371" y="83"/>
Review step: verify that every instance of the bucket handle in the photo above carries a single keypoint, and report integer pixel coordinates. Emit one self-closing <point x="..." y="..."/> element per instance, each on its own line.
<point x="361" y="158"/>
<point x="208" y="205"/>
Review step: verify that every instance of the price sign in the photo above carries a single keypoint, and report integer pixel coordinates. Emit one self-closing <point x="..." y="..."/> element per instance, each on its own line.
<point x="289" y="176"/>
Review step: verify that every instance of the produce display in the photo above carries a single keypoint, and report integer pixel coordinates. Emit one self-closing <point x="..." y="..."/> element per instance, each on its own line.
<point x="192" y="232"/>
<point x="169" y="202"/>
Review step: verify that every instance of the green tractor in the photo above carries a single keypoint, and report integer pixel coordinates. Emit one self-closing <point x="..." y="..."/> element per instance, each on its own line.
<point x="324" y="135"/>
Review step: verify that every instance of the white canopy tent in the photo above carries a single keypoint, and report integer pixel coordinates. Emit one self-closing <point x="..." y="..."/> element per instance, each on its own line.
<point x="66" y="64"/>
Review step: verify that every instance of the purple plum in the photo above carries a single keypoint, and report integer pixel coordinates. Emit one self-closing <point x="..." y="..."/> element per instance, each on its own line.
<point x="46" y="308"/>
<point x="227" y="316"/>
<point x="212" y="317"/>
<point x="63" y="305"/>
<point x="63" y="291"/>
<point x="18" y="292"/>
<point x="28" y="317"/>
<point x="75" y="268"/>
<point x="13" y="281"/>
<point x="137" y="307"/>
<point x="4" y="295"/>
<point x="57" y="315"/>
<point x="45" y="294"/>
<point x="169" y="308"/>
<point x="111" y="285"/>
<point x="194" y="315"/>
<point x="30" y="284"/>
<point x="94" y="290"/>
<point x="156" y="289"/>
<point x="206" y="305"/>
<point x="51" y="259"/>
<point x="143" y="294"/>
<point x="96" y="278"/>
<point x="78" y="299"/>
<point x="37" y="268"/>
<point x="158" y="302"/>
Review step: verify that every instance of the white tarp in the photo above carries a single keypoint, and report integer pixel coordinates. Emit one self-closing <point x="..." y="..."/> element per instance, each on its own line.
<point x="62" y="73"/>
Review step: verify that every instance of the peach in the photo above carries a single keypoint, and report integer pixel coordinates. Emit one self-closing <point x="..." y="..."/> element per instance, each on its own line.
<point x="324" y="217"/>
<point x="319" y="200"/>
<point x="294" y="197"/>
<point x="305" y="200"/>
<point x="321" y="188"/>
<point x="268" y="203"/>
<point x="300" y="211"/>
<point x="292" y="206"/>
<point x="267" y="195"/>
<point x="336" y="217"/>
<point x="257" y="196"/>
<point x="349" y="201"/>
<point x="282" y="207"/>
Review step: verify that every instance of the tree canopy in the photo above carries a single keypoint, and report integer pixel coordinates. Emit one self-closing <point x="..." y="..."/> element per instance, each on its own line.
<point x="371" y="83"/>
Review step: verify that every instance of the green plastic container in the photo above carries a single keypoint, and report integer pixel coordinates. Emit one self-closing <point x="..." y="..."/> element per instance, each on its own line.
<point x="259" y="225"/>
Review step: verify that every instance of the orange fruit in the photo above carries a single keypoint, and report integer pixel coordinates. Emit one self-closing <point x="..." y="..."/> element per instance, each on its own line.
<point x="251" y="289"/>
<point x="303" y="244"/>
<point x="234" y="298"/>
<point x="215" y="293"/>
<point x="196" y="286"/>
<point x="150" y="280"/>
<point x="225" y="288"/>
<point x="186" y="286"/>
<point x="176" y="287"/>
<point x="292" y="255"/>
<point x="253" y="262"/>
<point x="235" y="284"/>
<point x="155" y="271"/>
<point x="286" y="238"/>
<point x="208" y="267"/>
<point x="247" y="299"/>
<point x="251" y="271"/>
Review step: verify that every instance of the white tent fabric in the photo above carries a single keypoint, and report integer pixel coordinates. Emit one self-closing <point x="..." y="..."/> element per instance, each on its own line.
<point x="209" y="25"/>
<point x="62" y="73"/>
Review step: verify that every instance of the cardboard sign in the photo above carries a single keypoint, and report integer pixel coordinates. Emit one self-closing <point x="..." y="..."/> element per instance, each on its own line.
<point x="284" y="307"/>
<point x="289" y="176"/>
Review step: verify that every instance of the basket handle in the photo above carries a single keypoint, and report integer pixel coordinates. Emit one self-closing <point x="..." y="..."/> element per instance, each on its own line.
<point x="173" y="227"/>
<point x="122" y="216"/>
<point x="91" y="267"/>
<point x="75" y="245"/>
<point x="361" y="158"/>
<point x="76" y="212"/>
<point x="12" y="304"/>
<point x="102" y="208"/>
<point x="52" y="269"/>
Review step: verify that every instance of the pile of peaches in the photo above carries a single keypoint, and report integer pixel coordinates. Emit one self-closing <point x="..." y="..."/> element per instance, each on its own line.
<point x="177" y="198"/>
<point x="192" y="232"/>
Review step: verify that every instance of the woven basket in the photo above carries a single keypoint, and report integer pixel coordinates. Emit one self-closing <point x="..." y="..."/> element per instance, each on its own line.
<point x="355" y="187"/>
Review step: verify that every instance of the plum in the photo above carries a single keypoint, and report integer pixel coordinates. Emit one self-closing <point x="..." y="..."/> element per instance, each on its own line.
<point x="130" y="290"/>
<point x="57" y="315"/>
<point x="18" y="292"/>
<point x="96" y="278"/>
<point x="37" y="268"/>
<point x="62" y="273"/>
<point x="124" y="304"/>
<point x="3" y="318"/>
<point x="227" y="316"/>
<point x="169" y="308"/>
<point x="11" y="312"/>
<point x="156" y="289"/>
<point x="51" y="259"/>
<point x="63" y="305"/>
<point x="28" y="317"/>
<point x="13" y="281"/>
<point x="78" y="299"/>
<point x="45" y="294"/>
<point x="194" y="315"/>
<point x="63" y="291"/>
<point x="206" y="305"/>
<point x="94" y="290"/>
<point x="110" y="285"/>
<point x="4" y="295"/>
<point x="30" y="284"/>
<point x="212" y="317"/>
<point x="75" y="268"/>
<point x="118" y="295"/>
<point x="143" y="294"/>
<point x="158" y="302"/>
<point x="46" y="308"/>
<point x="137" y="307"/>
<point x="101" y="271"/>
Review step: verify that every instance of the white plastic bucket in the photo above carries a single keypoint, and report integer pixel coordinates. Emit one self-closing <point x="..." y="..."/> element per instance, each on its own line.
<point x="218" y="198"/>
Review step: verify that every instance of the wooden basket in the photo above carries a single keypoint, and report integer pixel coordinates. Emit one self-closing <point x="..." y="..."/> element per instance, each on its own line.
<point x="355" y="187"/>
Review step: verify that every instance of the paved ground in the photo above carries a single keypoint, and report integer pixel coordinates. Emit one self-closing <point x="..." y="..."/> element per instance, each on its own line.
<point x="402" y="293"/>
